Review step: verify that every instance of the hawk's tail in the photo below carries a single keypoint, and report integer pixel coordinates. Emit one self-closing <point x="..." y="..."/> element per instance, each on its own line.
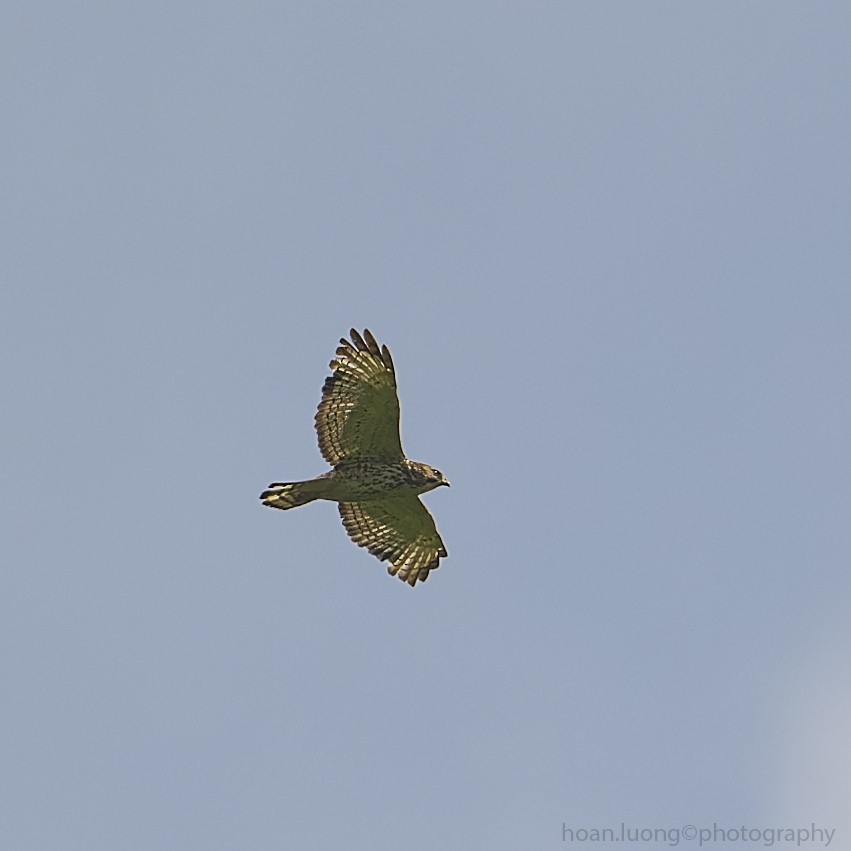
<point x="291" y="494"/>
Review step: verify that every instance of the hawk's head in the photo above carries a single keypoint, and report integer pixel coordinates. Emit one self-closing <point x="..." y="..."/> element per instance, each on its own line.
<point x="426" y="478"/>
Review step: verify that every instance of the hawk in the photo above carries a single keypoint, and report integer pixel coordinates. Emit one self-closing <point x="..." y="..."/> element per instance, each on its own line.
<point x="375" y="486"/>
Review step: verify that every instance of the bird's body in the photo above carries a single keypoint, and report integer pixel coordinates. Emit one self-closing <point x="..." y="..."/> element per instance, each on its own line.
<point x="375" y="485"/>
<point x="357" y="481"/>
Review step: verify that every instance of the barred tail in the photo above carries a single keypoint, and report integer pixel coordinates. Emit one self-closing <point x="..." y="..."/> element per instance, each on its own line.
<point x="291" y="494"/>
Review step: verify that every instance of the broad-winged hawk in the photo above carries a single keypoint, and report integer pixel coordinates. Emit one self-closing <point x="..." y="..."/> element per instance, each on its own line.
<point x="376" y="487"/>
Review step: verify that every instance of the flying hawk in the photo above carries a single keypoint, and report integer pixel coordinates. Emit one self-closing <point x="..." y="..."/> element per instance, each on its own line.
<point x="376" y="487"/>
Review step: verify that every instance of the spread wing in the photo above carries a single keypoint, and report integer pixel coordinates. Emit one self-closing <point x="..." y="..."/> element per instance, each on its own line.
<point x="398" y="530"/>
<point x="358" y="416"/>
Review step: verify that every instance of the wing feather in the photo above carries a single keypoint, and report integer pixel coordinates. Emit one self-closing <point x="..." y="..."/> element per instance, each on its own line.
<point x="399" y="530"/>
<point x="358" y="415"/>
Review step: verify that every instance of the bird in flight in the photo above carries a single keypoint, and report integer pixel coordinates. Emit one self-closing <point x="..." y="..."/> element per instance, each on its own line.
<point x="375" y="486"/>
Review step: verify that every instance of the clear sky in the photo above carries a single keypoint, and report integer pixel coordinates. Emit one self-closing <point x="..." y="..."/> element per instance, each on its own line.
<point x="608" y="246"/>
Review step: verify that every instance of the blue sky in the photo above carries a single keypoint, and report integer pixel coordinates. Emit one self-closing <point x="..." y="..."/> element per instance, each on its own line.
<point x="607" y="245"/>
